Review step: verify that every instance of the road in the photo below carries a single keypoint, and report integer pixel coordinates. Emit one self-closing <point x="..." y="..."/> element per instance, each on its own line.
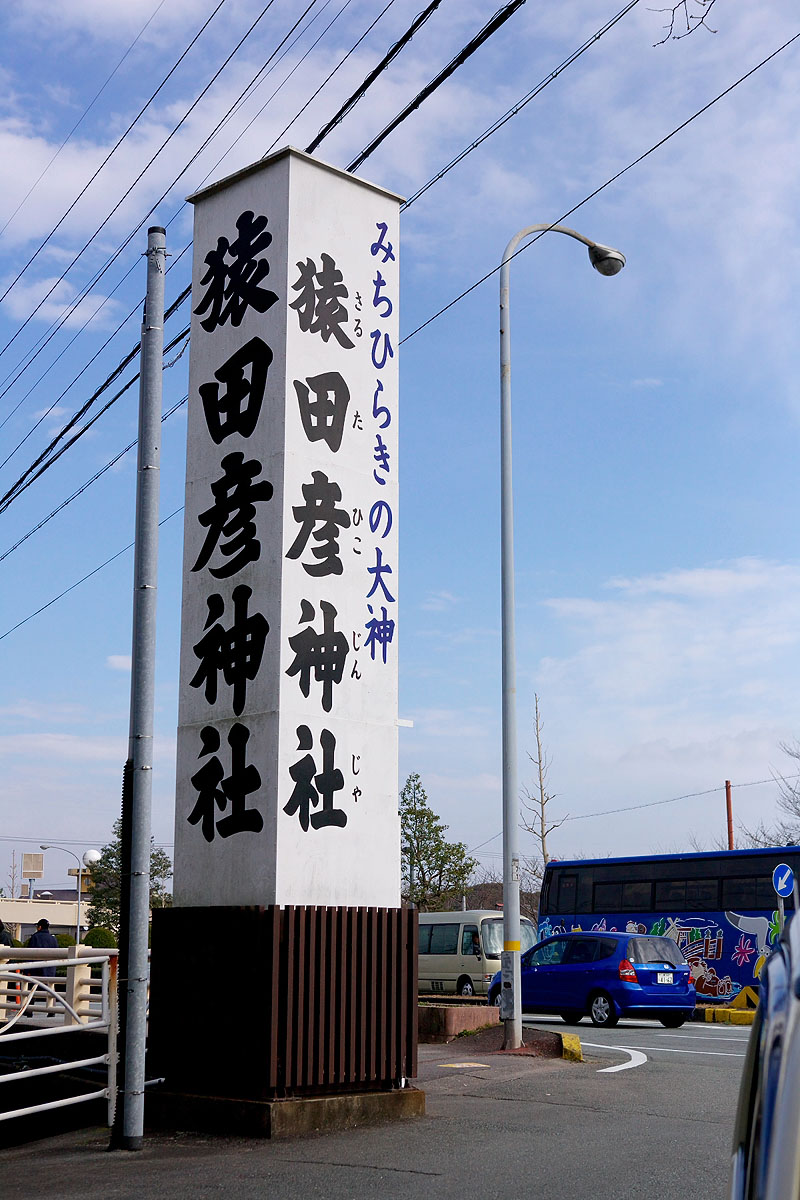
<point x="649" y="1113"/>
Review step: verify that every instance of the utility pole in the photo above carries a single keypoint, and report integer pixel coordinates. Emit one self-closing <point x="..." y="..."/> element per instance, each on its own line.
<point x="129" y="1126"/>
<point x="729" y="808"/>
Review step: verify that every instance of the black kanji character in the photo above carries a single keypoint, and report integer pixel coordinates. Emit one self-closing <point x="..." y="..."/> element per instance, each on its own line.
<point x="323" y="417"/>
<point x="323" y="653"/>
<point x="214" y="791"/>
<point x="310" y="788"/>
<point x="321" y="496"/>
<point x="233" y="287"/>
<point x="235" y="652"/>
<point x="237" y="410"/>
<point x="319" y="305"/>
<point x="231" y="516"/>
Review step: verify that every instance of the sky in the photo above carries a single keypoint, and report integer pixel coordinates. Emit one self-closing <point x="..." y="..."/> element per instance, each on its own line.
<point x="656" y="414"/>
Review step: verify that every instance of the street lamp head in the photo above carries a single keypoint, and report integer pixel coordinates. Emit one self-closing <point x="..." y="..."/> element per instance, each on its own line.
<point x="91" y="857"/>
<point x="44" y="847"/>
<point x="606" y="259"/>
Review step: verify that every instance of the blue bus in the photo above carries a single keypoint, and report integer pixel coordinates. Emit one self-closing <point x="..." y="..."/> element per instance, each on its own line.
<point x="720" y="907"/>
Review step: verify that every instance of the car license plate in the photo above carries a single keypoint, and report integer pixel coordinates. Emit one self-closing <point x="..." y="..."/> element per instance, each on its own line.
<point x="664" y="977"/>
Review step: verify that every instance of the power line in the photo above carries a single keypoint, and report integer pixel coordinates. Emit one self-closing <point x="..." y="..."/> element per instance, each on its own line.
<point x="367" y="83"/>
<point x="84" y="114"/>
<point x="609" y="812"/>
<point x="97" y="475"/>
<point x="603" y="186"/>
<point x="330" y="76"/>
<point x="78" y="582"/>
<point x="98" y="275"/>
<point x="92" y="178"/>
<point x="474" y="44"/>
<point x="518" y="107"/>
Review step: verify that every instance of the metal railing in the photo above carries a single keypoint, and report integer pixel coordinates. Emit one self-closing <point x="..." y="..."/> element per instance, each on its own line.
<point x="34" y="1006"/>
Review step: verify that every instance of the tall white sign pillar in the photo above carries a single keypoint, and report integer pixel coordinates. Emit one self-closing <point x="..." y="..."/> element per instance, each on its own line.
<point x="287" y="742"/>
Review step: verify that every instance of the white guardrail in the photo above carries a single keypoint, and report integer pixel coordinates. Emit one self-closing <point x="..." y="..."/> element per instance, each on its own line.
<point x="35" y="1006"/>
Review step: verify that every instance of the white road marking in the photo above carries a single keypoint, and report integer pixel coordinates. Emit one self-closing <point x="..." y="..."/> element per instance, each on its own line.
<point x="706" y="1037"/>
<point x="669" y="1050"/>
<point x="636" y="1058"/>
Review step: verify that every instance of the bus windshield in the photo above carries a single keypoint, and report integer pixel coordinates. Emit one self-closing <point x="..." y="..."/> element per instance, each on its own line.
<point x="492" y="935"/>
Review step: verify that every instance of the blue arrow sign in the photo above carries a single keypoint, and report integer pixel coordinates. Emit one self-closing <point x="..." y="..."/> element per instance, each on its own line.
<point x="783" y="880"/>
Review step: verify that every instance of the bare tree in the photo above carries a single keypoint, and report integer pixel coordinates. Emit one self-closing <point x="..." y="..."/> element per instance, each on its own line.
<point x="13" y="875"/>
<point x="535" y="802"/>
<point x="685" y="18"/>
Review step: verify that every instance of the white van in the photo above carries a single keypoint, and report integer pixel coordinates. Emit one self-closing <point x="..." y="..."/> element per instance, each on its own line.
<point x="460" y="951"/>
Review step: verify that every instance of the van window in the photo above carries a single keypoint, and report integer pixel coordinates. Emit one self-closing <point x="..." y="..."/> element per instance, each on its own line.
<point x="444" y="939"/>
<point x="492" y="936"/>
<point x="470" y="943"/>
<point x="424" y="939"/>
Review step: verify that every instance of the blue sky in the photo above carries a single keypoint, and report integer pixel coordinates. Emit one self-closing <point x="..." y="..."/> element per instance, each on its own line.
<point x="656" y="414"/>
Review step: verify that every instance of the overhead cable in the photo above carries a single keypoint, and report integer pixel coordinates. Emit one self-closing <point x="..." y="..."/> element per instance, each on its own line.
<point x="368" y="81"/>
<point x="146" y="167"/>
<point x="656" y="146"/>
<point x="92" y="177"/>
<point x="98" y="275"/>
<point x="83" y="115"/>
<point x="518" y="107"/>
<point x="474" y="44"/>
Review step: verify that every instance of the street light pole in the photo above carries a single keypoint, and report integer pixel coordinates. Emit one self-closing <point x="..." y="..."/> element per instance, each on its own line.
<point x="89" y="857"/>
<point x="608" y="262"/>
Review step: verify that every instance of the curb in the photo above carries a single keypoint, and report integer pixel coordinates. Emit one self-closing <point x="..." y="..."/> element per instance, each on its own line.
<point x="729" y="1016"/>
<point x="571" y="1048"/>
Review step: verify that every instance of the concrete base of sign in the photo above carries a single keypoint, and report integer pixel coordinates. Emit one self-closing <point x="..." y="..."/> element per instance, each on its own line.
<point x="280" y="1118"/>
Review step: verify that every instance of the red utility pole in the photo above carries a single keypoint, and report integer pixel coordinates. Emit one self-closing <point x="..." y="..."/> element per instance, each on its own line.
<point x="729" y="807"/>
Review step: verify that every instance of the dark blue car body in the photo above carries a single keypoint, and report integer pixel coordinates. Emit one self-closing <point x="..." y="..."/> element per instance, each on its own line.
<point x="605" y="976"/>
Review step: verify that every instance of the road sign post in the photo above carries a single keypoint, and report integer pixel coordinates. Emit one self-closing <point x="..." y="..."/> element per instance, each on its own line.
<point x="783" y="882"/>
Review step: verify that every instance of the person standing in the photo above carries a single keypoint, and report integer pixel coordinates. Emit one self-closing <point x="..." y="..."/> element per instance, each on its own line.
<point x="41" y="940"/>
<point x="5" y="937"/>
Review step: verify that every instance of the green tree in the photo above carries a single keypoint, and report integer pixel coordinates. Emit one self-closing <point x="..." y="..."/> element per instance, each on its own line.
<point x="435" y="872"/>
<point x="106" y="875"/>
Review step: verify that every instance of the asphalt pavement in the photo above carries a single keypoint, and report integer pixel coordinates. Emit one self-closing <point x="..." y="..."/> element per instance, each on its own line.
<point x="649" y="1111"/>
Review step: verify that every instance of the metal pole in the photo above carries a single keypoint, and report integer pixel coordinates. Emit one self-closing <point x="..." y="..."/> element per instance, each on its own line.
<point x="729" y="807"/>
<point x="510" y="1007"/>
<point x="78" y="932"/>
<point x="511" y="1010"/>
<point x="140" y="749"/>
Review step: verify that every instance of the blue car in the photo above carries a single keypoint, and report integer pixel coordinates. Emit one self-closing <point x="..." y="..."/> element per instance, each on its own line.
<point x="607" y="976"/>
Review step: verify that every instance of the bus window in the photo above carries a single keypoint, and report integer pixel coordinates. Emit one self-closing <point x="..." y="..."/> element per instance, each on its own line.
<point x="607" y="897"/>
<point x="739" y="893"/>
<point x="670" y="894"/>
<point x="637" y="896"/>
<point x="567" y="887"/>
<point x="702" y="895"/>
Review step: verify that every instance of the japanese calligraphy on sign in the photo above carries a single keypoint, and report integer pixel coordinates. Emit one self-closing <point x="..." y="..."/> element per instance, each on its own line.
<point x="287" y="745"/>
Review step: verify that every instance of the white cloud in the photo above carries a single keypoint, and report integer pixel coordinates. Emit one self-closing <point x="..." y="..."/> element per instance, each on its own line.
<point x="119" y="662"/>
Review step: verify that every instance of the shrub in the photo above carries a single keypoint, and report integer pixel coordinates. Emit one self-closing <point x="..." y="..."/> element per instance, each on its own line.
<point x="64" y="940"/>
<point x="100" y="939"/>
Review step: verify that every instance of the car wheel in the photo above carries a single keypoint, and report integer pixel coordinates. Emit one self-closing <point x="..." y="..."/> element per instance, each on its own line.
<point x="602" y="1010"/>
<point x="571" y="1016"/>
<point x="673" y="1020"/>
<point x="494" y="998"/>
<point x="465" y="987"/>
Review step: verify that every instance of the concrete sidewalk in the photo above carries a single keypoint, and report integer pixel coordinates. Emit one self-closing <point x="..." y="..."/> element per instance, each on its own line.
<point x="468" y="1092"/>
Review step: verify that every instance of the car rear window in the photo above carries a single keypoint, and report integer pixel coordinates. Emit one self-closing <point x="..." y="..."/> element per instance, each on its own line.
<point x="654" y="950"/>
